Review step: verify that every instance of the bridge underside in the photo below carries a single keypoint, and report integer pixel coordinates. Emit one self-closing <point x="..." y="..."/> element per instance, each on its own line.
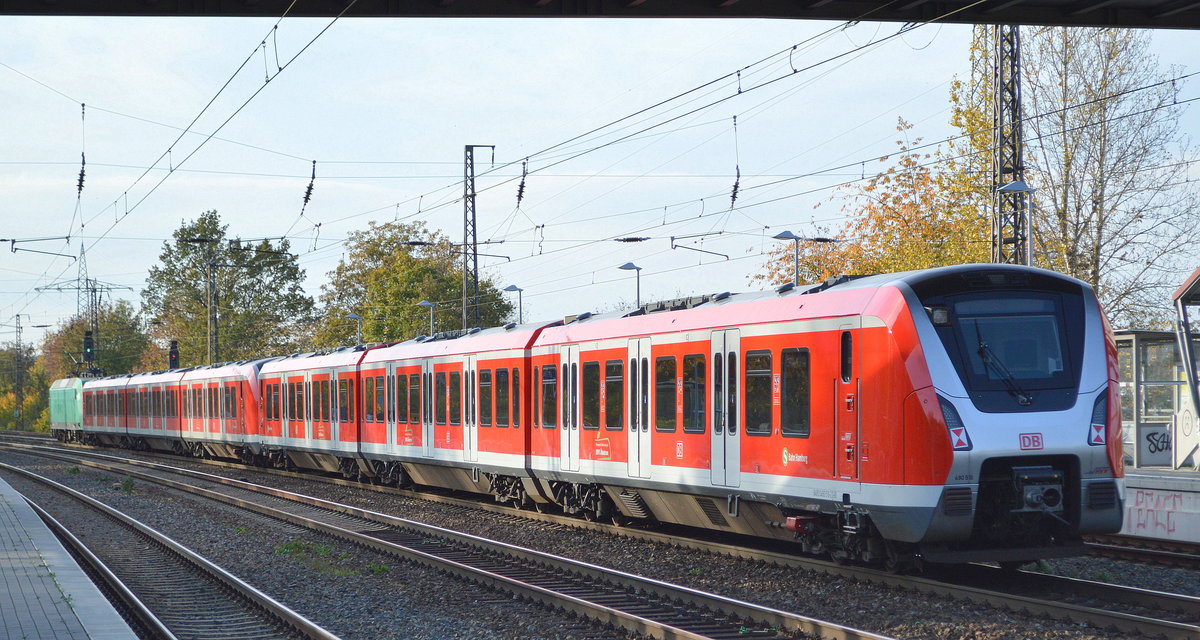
<point x="1183" y="14"/>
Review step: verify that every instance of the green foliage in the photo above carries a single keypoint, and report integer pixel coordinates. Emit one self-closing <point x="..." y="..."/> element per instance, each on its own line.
<point x="74" y="471"/>
<point x="120" y="343"/>
<point x="262" y="307"/>
<point x="388" y="268"/>
<point x="24" y="390"/>
<point x="126" y="486"/>
<point x="379" y="569"/>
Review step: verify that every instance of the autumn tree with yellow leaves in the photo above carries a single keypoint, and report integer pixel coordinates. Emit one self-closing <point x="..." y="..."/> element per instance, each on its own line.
<point x="921" y="211"/>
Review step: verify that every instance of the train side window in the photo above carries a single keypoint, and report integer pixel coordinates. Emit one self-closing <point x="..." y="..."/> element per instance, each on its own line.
<point x="591" y="395"/>
<point x="439" y="381"/>
<point x="427" y="397"/>
<point x="326" y="400"/>
<point x="343" y="401"/>
<point x="414" y="398"/>
<point x="535" y="406"/>
<point x="847" y="356"/>
<point x="350" y="411"/>
<point x="549" y="396"/>
<point x="694" y="393"/>
<point x="796" y="400"/>
<point x="455" y="397"/>
<point x="485" y="397"/>
<point x="380" y="400"/>
<point x="369" y="399"/>
<point x="391" y="399"/>
<point x="644" y="394"/>
<point x="565" y="415"/>
<point x="401" y="398"/>
<point x="758" y="393"/>
<point x="502" y="398"/>
<point x="614" y="395"/>
<point x="665" y="393"/>
<point x="516" y="396"/>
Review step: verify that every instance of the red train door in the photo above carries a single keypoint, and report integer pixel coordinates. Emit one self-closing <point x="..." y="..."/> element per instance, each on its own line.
<point x="639" y="408"/>
<point x="726" y="408"/>
<point x="849" y="386"/>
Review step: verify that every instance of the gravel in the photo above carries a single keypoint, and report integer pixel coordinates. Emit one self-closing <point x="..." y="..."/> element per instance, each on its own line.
<point x="421" y="603"/>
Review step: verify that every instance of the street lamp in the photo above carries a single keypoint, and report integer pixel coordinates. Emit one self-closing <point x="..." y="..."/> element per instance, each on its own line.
<point x="788" y="235"/>
<point x="629" y="266"/>
<point x="358" y="335"/>
<point x="520" y="311"/>
<point x="1020" y="188"/>
<point x="426" y="303"/>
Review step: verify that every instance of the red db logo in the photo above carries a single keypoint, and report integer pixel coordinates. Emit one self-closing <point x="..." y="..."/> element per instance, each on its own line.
<point x="1031" y="441"/>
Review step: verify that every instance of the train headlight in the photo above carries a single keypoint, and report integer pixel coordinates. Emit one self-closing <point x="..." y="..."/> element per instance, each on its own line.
<point x="1039" y="488"/>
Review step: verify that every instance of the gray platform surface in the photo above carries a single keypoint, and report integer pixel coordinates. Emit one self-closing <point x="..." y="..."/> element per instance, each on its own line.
<point x="45" y="594"/>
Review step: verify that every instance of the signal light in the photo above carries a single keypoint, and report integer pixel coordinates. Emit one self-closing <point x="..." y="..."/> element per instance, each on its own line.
<point x="89" y="346"/>
<point x="173" y="355"/>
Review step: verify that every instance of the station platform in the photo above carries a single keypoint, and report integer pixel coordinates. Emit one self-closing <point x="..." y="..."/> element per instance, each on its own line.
<point x="1162" y="504"/>
<point x="46" y="595"/>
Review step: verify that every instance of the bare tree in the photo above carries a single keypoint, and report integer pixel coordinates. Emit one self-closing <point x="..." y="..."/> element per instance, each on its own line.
<point x="1113" y="206"/>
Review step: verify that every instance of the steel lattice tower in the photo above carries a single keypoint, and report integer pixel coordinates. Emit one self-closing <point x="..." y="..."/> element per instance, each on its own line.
<point x="470" y="295"/>
<point x="1010" y="213"/>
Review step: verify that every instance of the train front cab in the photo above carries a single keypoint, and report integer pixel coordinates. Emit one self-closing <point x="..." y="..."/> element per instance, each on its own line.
<point x="1023" y="375"/>
<point x="66" y="409"/>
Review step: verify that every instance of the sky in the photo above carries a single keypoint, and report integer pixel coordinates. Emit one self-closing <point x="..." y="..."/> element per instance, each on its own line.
<point x="186" y="115"/>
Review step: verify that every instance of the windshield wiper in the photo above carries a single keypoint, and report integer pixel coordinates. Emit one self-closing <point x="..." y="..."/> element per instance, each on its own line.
<point x="993" y="362"/>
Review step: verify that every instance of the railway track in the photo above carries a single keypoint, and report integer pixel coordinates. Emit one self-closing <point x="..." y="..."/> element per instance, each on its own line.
<point x="169" y="590"/>
<point x="1148" y="613"/>
<point x="1171" y="554"/>
<point x="644" y="606"/>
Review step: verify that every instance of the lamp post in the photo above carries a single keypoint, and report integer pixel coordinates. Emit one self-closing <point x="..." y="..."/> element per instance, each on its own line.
<point x="358" y="335"/>
<point x="629" y="266"/>
<point x="426" y="303"/>
<point x="788" y="235"/>
<point x="520" y="310"/>
<point x="1018" y="190"/>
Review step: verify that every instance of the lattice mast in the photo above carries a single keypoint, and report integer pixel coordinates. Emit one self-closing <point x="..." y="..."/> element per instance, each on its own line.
<point x="470" y="295"/>
<point x="1010" y="206"/>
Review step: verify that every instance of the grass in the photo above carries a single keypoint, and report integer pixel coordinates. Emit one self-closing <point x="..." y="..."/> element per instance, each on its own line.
<point x="240" y="530"/>
<point x="126" y="486"/>
<point x="71" y="471"/>
<point x="318" y="557"/>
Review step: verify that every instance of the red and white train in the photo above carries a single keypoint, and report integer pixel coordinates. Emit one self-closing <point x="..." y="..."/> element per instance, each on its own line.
<point x="948" y="415"/>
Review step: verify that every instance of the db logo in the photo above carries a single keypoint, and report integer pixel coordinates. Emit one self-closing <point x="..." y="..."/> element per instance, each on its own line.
<point x="1031" y="441"/>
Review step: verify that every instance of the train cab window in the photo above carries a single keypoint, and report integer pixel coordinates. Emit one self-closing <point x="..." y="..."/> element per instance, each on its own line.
<point x="665" y="392"/>
<point x="502" y="398"/>
<point x="380" y="399"/>
<point x="795" y="392"/>
<point x="847" y="356"/>
<point x="414" y="398"/>
<point x="694" y="393"/>
<point x="391" y="399"/>
<point x="516" y="397"/>
<point x="455" y="398"/>
<point x="614" y="395"/>
<point x="401" y="398"/>
<point x="758" y="393"/>
<point x="485" y="397"/>
<point x="549" y="396"/>
<point x="439" y="391"/>
<point x="591" y="395"/>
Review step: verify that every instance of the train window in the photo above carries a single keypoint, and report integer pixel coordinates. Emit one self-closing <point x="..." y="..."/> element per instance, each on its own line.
<point x="614" y="395"/>
<point x="758" y="393"/>
<point x="796" y="400"/>
<point x="391" y="399"/>
<point x="401" y="398"/>
<point x="535" y="405"/>
<point x="665" y="393"/>
<point x="549" y="396"/>
<point x="414" y="398"/>
<point x="591" y="395"/>
<point x="644" y="394"/>
<point x="455" y="398"/>
<point x="565" y="396"/>
<point x="718" y="387"/>
<point x="694" y="390"/>
<point x="502" y="397"/>
<point x="212" y="403"/>
<point x="472" y="396"/>
<point x="485" y="397"/>
<point x="731" y="397"/>
<point x="516" y="396"/>
<point x="439" y="391"/>
<point x="369" y="399"/>
<point x="345" y="401"/>
<point x="847" y="356"/>
<point x="380" y="399"/>
<point x="229" y="403"/>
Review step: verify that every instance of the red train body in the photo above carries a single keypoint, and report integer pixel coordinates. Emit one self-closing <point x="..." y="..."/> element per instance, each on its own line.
<point x="963" y="413"/>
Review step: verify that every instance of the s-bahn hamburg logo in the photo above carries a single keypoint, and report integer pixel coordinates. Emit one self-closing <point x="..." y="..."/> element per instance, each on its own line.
<point x="793" y="457"/>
